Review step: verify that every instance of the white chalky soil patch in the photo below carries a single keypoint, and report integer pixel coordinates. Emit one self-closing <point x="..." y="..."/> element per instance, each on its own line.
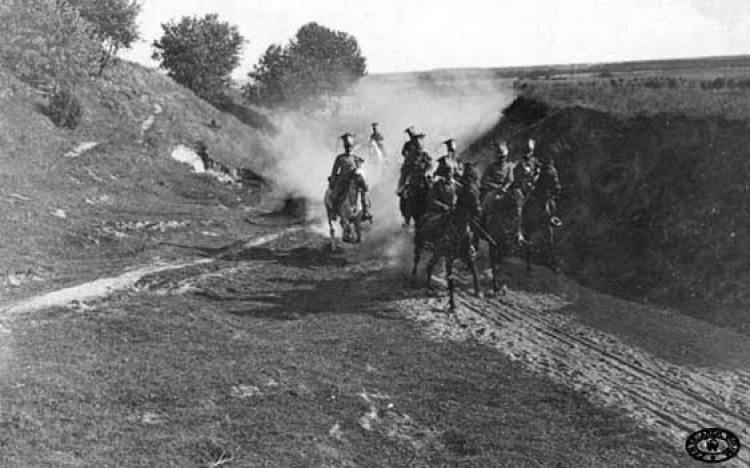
<point x="105" y="286"/>
<point x="185" y="155"/>
<point x="81" y="148"/>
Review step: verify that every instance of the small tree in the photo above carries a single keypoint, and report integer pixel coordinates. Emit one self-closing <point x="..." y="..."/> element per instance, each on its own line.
<point x="47" y="42"/>
<point x="200" y="53"/>
<point x="114" y="24"/>
<point x="317" y="63"/>
<point x="272" y="78"/>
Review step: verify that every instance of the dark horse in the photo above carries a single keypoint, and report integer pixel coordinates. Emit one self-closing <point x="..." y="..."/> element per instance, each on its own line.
<point x="503" y="223"/>
<point x="521" y="222"/>
<point x="450" y="238"/>
<point x="413" y="199"/>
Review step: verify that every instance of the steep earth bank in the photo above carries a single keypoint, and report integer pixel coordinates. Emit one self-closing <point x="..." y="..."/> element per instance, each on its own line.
<point x="655" y="208"/>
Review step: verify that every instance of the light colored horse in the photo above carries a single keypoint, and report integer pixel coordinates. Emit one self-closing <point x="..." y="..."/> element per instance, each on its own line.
<point x="348" y="212"/>
<point x="376" y="160"/>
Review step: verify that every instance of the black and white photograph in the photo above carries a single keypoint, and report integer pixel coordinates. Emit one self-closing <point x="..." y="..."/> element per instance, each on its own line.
<point x="374" y="233"/>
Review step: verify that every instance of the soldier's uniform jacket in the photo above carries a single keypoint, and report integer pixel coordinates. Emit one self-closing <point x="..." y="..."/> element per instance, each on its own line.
<point x="525" y="174"/>
<point x="421" y="162"/>
<point x="345" y="165"/>
<point x="451" y="161"/>
<point x="409" y="152"/>
<point x="498" y="176"/>
<point x="549" y="181"/>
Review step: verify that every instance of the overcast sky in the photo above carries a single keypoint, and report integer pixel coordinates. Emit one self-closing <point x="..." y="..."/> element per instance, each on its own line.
<point x="407" y="35"/>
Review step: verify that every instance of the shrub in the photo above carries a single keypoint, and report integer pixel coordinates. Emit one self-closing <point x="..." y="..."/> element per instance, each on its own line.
<point x="47" y="42"/>
<point x="65" y="109"/>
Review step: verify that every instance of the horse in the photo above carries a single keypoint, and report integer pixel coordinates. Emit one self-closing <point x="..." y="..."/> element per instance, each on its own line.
<point x="503" y="223"/>
<point x="451" y="239"/>
<point x="348" y="212"/>
<point x="376" y="159"/>
<point x="414" y="197"/>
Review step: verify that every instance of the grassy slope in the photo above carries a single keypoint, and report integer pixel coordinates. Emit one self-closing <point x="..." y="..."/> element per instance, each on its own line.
<point x="121" y="179"/>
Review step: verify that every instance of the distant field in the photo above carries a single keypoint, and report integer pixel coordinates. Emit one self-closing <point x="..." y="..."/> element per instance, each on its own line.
<point x="628" y="95"/>
<point x="697" y="87"/>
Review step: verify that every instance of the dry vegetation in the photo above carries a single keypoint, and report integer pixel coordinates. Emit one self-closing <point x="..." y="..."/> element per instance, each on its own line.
<point x="725" y="97"/>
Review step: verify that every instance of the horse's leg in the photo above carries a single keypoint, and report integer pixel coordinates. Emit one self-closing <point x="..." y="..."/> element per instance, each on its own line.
<point x="418" y="245"/>
<point x="528" y="247"/>
<point x="551" y="247"/>
<point x="495" y="264"/>
<point x="449" y="276"/>
<point x="497" y="260"/>
<point x="332" y="231"/>
<point x="358" y="230"/>
<point x="472" y="266"/>
<point x="430" y="266"/>
<point x="345" y="234"/>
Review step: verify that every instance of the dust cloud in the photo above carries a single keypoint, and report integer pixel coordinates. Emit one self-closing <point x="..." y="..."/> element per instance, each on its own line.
<point x="451" y="106"/>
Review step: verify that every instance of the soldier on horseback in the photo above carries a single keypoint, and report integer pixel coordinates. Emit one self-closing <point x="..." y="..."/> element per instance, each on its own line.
<point x="376" y="138"/>
<point x="451" y="158"/>
<point x="525" y="176"/>
<point x="453" y="239"/>
<point x="416" y="159"/>
<point x="442" y="196"/>
<point x="549" y="186"/>
<point x="345" y="172"/>
<point x="526" y="171"/>
<point x="497" y="178"/>
<point x="467" y="195"/>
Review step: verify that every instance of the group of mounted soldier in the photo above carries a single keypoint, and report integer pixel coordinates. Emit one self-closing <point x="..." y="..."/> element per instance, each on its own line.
<point x="452" y="208"/>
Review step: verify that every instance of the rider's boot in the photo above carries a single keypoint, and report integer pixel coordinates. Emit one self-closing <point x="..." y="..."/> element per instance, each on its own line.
<point x="366" y="215"/>
<point x="401" y="182"/>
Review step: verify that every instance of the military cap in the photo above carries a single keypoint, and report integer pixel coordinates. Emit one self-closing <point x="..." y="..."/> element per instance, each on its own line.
<point x="410" y="131"/>
<point x="450" y="143"/>
<point x="347" y="137"/>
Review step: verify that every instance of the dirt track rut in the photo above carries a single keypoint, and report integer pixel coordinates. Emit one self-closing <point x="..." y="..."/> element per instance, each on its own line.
<point x="673" y="399"/>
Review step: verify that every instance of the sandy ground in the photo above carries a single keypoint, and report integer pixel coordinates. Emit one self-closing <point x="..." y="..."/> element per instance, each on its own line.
<point x="551" y="328"/>
<point x="672" y="399"/>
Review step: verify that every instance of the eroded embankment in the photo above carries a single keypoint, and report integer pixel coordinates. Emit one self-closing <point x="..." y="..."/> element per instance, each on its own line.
<point x="655" y="207"/>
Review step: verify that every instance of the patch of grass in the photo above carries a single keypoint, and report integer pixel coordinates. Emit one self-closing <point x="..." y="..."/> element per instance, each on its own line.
<point x="260" y="373"/>
<point x="630" y="96"/>
<point x="53" y="205"/>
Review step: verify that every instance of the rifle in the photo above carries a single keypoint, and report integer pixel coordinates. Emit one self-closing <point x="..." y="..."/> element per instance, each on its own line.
<point x="478" y="227"/>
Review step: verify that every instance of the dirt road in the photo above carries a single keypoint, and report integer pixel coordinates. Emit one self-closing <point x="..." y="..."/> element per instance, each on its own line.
<point x="550" y="326"/>
<point x="673" y="399"/>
